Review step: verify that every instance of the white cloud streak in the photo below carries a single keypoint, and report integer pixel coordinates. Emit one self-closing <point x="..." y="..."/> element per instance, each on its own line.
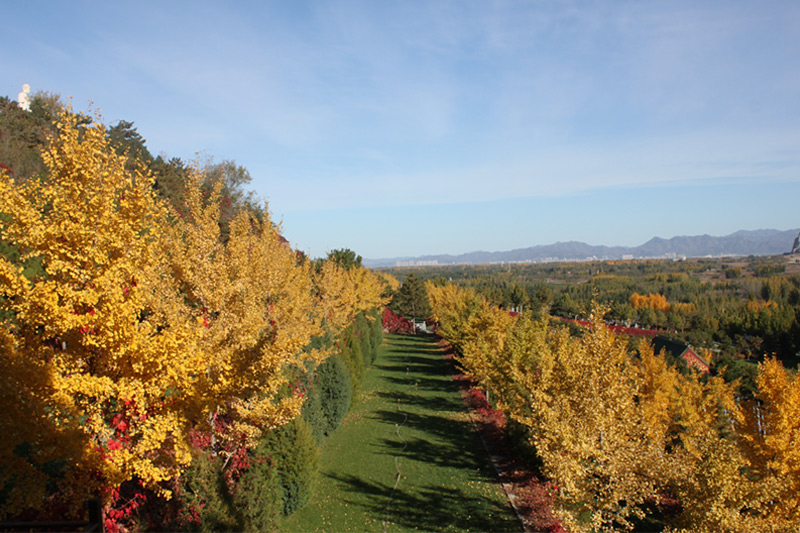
<point x="354" y="104"/>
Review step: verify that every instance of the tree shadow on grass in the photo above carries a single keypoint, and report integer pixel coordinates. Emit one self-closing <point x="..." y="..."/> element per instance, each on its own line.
<point x="414" y="344"/>
<point x="431" y="373"/>
<point x="438" y="403"/>
<point x="429" y="508"/>
<point x="436" y="440"/>
<point x="422" y="383"/>
<point x="426" y="349"/>
<point x="429" y="363"/>
<point x="421" y="397"/>
<point x="449" y="455"/>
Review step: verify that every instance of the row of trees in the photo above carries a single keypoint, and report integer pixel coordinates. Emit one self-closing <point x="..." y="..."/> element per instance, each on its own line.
<point x="747" y="315"/>
<point x="157" y="345"/>
<point x="277" y="477"/>
<point x="620" y="433"/>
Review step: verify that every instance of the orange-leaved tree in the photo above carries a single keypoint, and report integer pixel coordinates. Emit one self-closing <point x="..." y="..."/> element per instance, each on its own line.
<point x="653" y="301"/>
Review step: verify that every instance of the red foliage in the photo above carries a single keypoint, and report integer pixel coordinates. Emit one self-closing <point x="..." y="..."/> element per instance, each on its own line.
<point x="229" y="444"/>
<point x="393" y="323"/>
<point x="123" y="508"/>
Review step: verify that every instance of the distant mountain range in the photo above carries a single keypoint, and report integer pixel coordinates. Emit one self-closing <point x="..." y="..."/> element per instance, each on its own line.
<point x="741" y="243"/>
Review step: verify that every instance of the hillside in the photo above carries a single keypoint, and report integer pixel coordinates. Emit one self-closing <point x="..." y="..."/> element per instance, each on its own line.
<point x="740" y="243"/>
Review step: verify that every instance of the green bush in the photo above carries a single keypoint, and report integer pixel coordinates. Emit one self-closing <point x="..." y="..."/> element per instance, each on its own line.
<point x="350" y="350"/>
<point x="376" y="330"/>
<point x="293" y="451"/>
<point x="322" y="342"/>
<point x="370" y="330"/>
<point x="312" y="408"/>
<point x="258" y="495"/>
<point x="328" y="396"/>
<point x="334" y="391"/>
<point x="363" y="338"/>
<point x="207" y="504"/>
<point x="330" y="388"/>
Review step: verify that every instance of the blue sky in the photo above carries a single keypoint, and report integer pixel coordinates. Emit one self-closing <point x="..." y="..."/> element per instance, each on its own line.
<point x="418" y="127"/>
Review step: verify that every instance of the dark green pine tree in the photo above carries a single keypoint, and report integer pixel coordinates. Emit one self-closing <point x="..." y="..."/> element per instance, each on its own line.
<point x="345" y="258"/>
<point x="411" y="299"/>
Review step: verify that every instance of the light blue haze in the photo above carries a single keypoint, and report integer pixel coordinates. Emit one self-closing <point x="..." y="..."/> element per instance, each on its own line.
<point x="420" y="127"/>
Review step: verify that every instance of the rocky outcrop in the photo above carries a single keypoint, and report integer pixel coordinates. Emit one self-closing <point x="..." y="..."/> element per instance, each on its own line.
<point x="796" y="245"/>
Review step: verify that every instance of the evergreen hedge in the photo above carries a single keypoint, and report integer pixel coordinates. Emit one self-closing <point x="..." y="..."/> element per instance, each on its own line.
<point x="295" y="456"/>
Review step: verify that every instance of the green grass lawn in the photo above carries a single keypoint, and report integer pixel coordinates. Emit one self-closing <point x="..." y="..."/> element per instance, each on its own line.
<point x="409" y="411"/>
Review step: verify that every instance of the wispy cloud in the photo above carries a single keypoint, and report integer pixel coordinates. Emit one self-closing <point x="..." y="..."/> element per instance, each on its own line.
<point x="356" y="103"/>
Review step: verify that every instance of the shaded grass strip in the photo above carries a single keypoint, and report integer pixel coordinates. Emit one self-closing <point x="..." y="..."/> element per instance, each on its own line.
<point x="446" y="483"/>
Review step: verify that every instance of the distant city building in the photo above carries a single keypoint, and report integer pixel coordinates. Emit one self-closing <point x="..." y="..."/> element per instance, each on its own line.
<point x="412" y="263"/>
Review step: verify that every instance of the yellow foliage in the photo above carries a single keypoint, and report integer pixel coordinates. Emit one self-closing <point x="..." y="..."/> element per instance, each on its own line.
<point x="595" y="439"/>
<point x="653" y="301"/>
<point x="392" y="282"/>
<point x="771" y="434"/>
<point x="341" y="293"/>
<point x="755" y="305"/>
<point x="706" y="354"/>
<point x="146" y="325"/>
<point x="615" y="430"/>
<point x="683" y="307"/>
<point x="97" y="336"/>
<point x="452" y="308"/>
<point x="254" y="309"/>
<point x="484" y="348"/>
<point x="659" y="302"/>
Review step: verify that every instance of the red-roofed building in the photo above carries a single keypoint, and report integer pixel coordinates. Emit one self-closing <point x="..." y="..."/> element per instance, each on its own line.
<point x="680" y="349"/>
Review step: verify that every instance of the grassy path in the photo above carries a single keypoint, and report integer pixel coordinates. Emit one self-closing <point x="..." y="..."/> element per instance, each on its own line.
<point x="410" y="411"/>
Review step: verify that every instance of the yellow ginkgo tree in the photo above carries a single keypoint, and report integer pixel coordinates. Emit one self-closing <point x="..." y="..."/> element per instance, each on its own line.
<point x="253" y="302"/>
<point x="770" y="436"/>
<point x="143" y="326"/>
<point x="97" y="356"/>
<point x="619" y="432"/>
<point x="341" y="293"/>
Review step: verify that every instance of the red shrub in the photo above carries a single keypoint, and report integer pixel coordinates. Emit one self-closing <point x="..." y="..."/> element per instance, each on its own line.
<point x="393" y="323"/>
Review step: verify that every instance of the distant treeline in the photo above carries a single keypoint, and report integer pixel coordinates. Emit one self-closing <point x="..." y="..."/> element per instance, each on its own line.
<point x="739" y="308"/>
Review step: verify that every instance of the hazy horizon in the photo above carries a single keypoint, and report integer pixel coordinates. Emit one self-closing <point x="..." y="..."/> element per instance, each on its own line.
<point x="794" y="232"/>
